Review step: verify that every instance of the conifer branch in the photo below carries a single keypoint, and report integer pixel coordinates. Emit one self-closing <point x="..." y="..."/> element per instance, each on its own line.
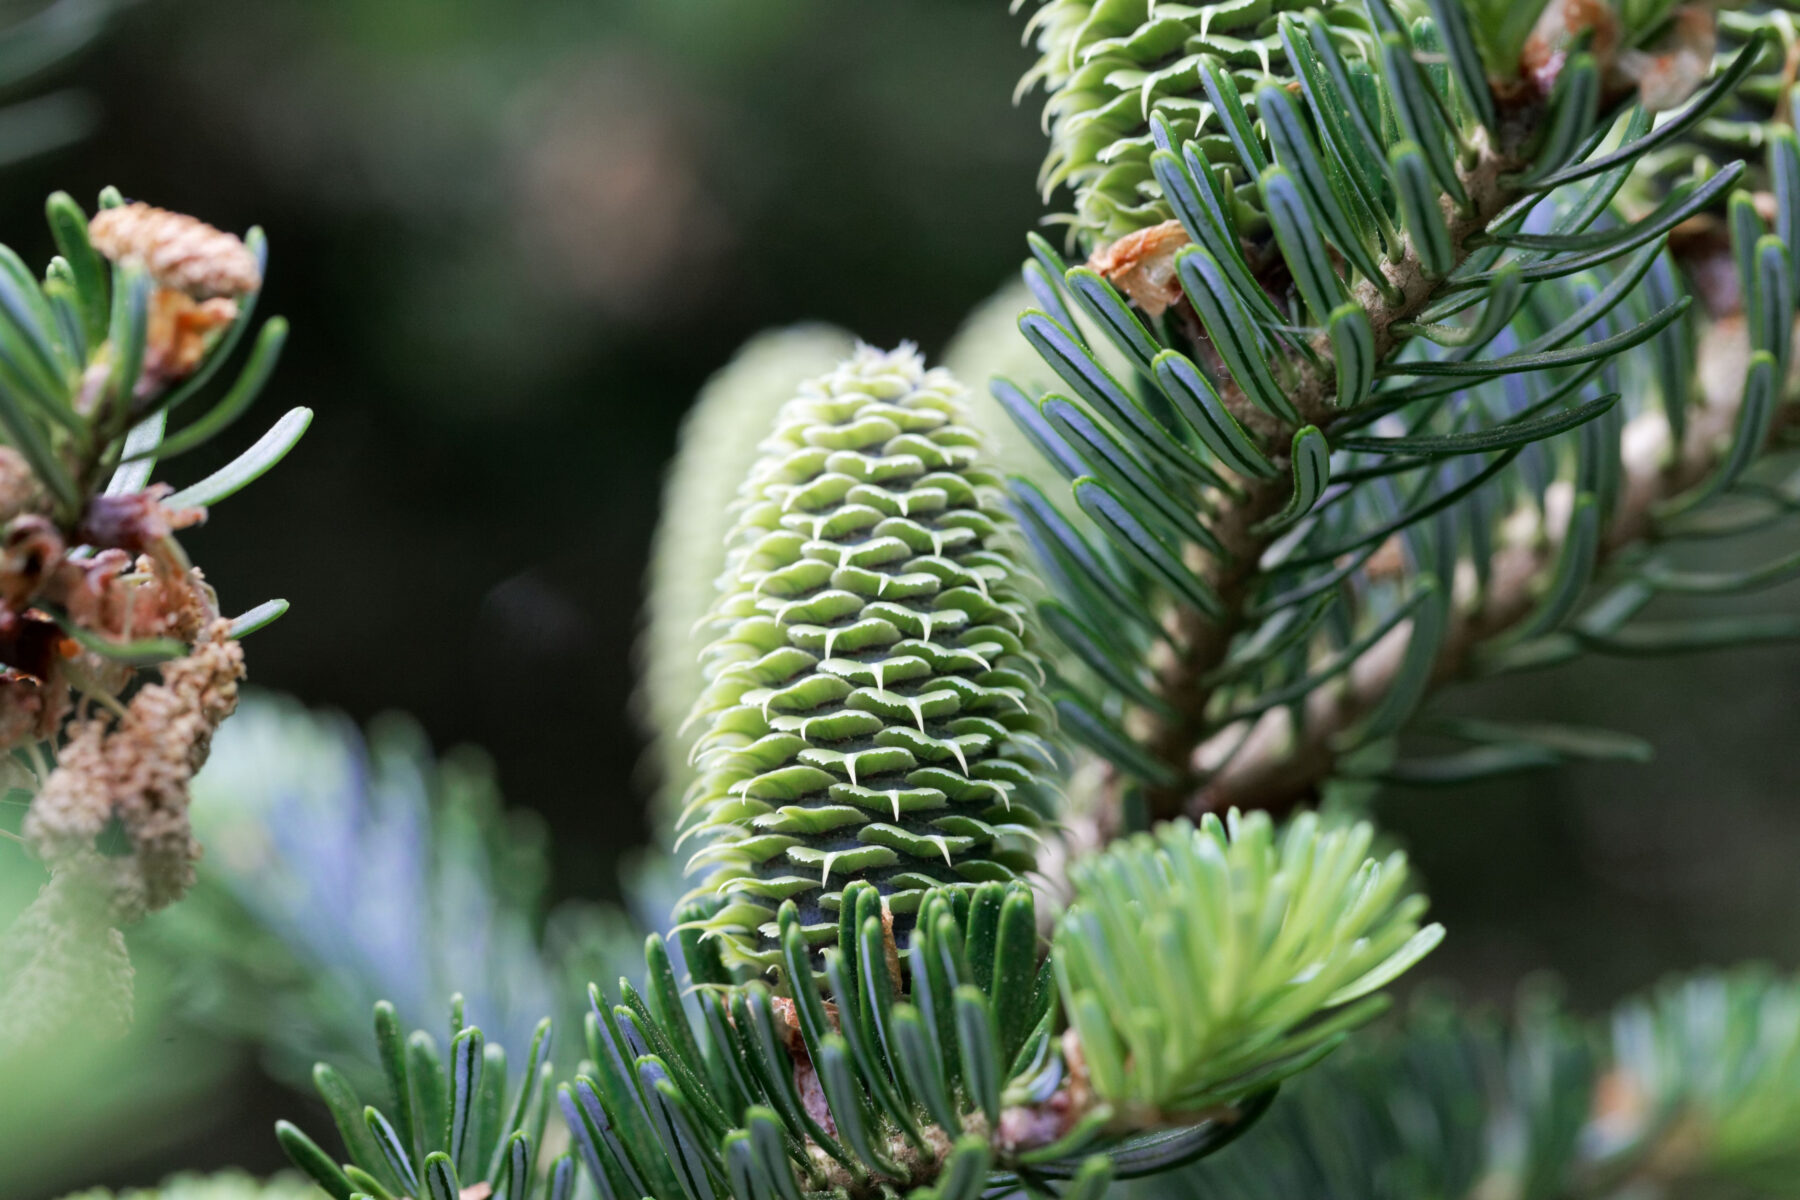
<point x="1285" y="262"/>
<point x="1278" y="766"/>
<point x="1202" y="642"/>
<point x="132" y="319"/>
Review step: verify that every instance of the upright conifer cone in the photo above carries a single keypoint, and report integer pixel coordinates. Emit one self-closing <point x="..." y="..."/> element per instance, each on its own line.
<point x="873" y="708"/>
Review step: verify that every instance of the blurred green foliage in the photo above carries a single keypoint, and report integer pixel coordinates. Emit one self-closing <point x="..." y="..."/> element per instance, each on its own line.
<point x="147" y="1090"/>
<point x="343" y="870"/>
<point x="227" y="1185"/>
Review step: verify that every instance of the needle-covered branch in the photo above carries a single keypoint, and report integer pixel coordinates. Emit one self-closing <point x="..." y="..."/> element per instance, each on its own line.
<point x="1385" y="357"/>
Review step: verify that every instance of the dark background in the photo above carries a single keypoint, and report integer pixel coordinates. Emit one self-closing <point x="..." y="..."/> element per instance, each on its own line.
<point x="513" y="239"/>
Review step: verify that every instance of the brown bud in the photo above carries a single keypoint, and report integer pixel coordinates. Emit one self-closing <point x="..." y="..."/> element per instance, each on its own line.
<point x="1142" y="265"/>
<point x="181" y="253"/>
<point x="180" y="331"/>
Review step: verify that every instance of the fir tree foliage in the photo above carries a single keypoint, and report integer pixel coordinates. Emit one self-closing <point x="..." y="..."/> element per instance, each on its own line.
<point x="947" y="1067"/>
<point x="1692" y="1093"/>
<point x="933" y="1072"/>
<point x="873" y="708"/>
<point x="1200" y="964"/>
<point x="455" y="1120"/>
<point x="1453" y="1105"/>
<point x="1706" y="1081"/>
<point x="1744" y="124"/>
<point x="1411" y="388"/>
<point x="91" y="387"/>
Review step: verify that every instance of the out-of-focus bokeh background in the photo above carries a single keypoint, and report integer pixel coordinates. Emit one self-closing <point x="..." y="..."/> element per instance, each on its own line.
<point x="514" y="238"/>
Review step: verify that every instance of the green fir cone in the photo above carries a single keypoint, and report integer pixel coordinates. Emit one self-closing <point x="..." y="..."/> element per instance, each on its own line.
<point x="873" y="708"/>
<point x="1106" y="66"/>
